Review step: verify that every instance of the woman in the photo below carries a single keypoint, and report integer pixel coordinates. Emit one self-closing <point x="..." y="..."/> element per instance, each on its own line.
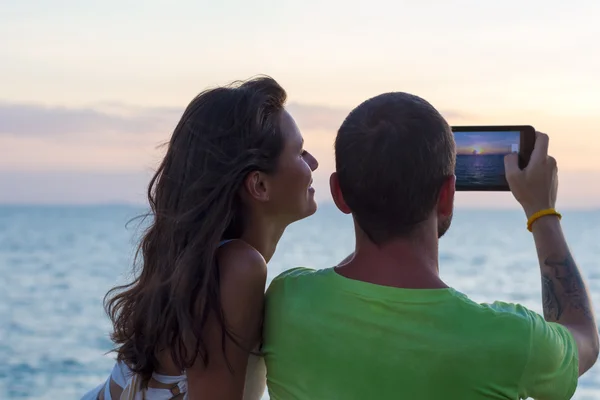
<point x="234" y="177"/>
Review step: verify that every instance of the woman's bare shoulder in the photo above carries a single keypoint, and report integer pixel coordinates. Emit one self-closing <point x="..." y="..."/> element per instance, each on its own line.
<point x="239" y="260"/>
<point x="243" y="270"/>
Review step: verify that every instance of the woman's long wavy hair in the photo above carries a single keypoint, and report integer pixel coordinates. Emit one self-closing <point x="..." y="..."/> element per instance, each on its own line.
<point x="224" y="134"/>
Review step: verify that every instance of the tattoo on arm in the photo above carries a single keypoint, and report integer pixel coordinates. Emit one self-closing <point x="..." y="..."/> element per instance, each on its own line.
<point x="563" y="288"/>
<point x="550" y="301"/>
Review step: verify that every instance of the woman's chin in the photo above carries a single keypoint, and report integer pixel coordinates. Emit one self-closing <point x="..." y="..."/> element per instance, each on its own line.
<point x="312" y="206"/>
<point x="309" y="207"/>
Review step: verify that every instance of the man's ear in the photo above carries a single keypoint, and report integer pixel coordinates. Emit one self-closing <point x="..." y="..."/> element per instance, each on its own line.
<point x="336" y="193"/>
<point x="445" y="206"/>
<point x="256" y="186"/>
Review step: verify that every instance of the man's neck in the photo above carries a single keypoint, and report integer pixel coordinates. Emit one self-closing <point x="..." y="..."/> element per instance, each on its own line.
<point x="403" y="263"/>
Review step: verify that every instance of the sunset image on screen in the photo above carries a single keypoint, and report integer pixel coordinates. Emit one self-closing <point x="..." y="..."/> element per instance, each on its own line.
<point x="480" y="157"/>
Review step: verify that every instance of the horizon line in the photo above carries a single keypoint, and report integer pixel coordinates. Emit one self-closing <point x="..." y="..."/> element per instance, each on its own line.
<point x="328" y="203"/>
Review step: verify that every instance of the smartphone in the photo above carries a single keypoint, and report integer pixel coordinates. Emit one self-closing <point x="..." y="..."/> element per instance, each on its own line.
<point x="480" y="152"/>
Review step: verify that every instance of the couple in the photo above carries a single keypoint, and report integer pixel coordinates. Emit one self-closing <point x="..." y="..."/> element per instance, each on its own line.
<point x="382" y="324"/>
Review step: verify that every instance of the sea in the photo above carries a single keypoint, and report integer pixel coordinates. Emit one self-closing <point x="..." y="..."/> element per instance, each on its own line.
<point x="57" y="262"/>
<point x="481" y="169"/>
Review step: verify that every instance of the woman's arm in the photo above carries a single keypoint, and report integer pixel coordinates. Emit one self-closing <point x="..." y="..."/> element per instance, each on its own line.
<point x="243" y="274"/>
<point x="256" y="378"/>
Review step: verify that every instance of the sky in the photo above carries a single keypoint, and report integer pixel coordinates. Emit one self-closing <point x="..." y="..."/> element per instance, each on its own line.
<point x="499" y="142"/>
<point x="89" y="90"/>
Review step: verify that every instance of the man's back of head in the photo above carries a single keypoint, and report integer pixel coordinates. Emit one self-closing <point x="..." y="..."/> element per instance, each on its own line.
<point x="394" y="152"/>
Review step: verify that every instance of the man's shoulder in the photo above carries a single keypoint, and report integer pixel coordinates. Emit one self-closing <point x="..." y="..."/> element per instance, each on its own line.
<point x="551" y="357"/>
<point x="519" y="324"/>
<point x="294" y="273"/>
<point x="503" y="309"/>
<point x="512" y="318"/>
<point x="553" y="333"/>
<point x="293" y="277"/>
<point x="510" y="313"/>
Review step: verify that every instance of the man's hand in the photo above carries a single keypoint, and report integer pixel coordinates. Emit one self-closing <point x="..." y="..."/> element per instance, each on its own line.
<point x="535" y="186"/>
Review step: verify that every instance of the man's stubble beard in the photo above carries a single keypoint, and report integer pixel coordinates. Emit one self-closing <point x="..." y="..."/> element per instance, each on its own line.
<point x="444" y="225"/>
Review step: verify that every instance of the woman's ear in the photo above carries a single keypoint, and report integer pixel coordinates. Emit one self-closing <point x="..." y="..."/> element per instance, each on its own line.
<point x="336" y="193"/>
<point x="256" y="186"/>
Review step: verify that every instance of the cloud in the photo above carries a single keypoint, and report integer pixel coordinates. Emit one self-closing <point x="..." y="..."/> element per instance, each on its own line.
<point x="90" y="187"/>
<point x="37" y="120"/>
<point x="73" y="187"/>
<point x="317" y="117"/>
<point x="113" y="118"/>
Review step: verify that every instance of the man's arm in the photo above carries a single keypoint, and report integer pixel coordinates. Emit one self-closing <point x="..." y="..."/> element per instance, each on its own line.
<point x="565" y="296"/>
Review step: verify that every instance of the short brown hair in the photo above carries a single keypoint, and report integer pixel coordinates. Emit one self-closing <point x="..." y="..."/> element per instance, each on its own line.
<point x="393" y="153"/>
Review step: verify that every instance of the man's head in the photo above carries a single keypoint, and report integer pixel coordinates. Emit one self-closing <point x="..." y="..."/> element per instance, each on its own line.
<point x="395" y="158"/>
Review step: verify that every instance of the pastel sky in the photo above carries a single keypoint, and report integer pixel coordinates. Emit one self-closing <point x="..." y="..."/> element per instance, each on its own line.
<point x="486" y="142"/>
<point x="88" y="90"/>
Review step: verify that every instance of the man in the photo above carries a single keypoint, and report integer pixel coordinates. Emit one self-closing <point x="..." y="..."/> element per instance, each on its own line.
<point x="383" y="324"/>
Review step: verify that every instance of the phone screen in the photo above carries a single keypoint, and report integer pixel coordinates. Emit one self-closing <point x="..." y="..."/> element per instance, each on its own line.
<point x="480" y="158"/>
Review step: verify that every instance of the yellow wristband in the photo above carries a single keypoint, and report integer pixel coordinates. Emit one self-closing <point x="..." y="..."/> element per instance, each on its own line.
<point x="540" y="214"/>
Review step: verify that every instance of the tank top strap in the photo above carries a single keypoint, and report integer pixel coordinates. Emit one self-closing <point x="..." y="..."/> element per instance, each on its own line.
<point x="222" y="242"/>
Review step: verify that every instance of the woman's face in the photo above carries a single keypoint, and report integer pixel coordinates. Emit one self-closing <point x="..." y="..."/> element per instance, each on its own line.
<point x="291" y="194"/>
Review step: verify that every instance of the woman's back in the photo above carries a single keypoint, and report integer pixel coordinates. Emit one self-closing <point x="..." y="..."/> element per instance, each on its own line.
<point x="238" y="263"/>
<point x="254" y="386"/>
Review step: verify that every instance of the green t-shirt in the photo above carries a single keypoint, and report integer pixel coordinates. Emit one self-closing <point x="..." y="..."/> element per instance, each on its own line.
<point x="327" y="337"/>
